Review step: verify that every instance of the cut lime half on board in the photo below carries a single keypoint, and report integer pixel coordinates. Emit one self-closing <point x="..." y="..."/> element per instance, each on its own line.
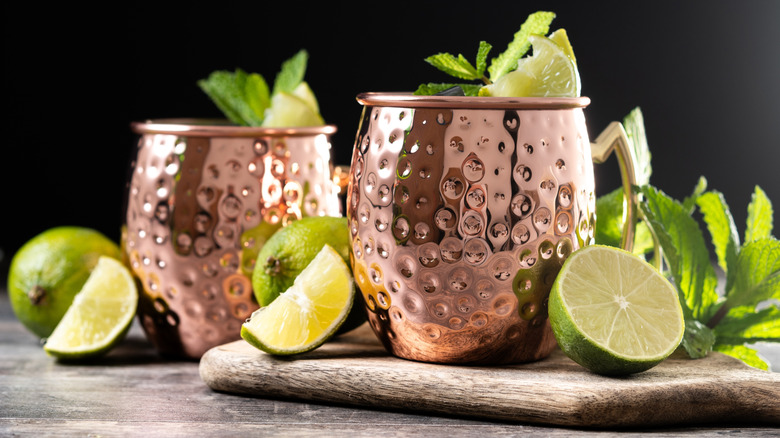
<point x="613" y="313"/>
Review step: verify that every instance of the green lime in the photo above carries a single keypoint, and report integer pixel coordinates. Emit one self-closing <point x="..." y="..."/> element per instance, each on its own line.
<point x="100" y="315"/>
<point x="288" y="110"/>
<point x="550" y="72"/>
<point x="613" y="313"/>
<point x="49" y="270"/>
<point x="252" y="241"/>
<point x="308" y="313"/>
<point x="290" y="250"/>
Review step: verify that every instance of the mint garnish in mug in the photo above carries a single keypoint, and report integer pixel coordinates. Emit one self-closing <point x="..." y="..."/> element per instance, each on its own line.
<point x="245" y="98"/>
<point x="746" y="311"/>
<point x="550" y="72"/>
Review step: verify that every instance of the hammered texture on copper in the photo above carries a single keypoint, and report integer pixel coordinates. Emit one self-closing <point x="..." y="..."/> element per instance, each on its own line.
<point x="460" y="221"/>
<point x="190" y="201"/>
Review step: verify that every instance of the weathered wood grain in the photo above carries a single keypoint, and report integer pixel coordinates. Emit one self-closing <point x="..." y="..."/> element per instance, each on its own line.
<point x="355" y="370"/>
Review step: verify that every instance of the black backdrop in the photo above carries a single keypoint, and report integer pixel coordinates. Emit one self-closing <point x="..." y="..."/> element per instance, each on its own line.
<point x="706" y="75"/>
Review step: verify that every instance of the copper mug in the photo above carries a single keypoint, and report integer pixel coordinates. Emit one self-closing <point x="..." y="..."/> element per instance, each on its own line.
<point x="462" y="211"/>
<point x="197" y="187"/>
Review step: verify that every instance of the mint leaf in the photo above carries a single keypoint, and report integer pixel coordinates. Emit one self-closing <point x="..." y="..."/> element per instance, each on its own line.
<point x="721" y="226"/>
<point x="432" y="88"/>
<point x="482" y="52"/>
<point x="743" y="353"/>
<point x="292" y="72"/>
<point x="685" y="251"/>
<point x="689" y="203"/>
<point x="257" y="96"/>
<point x="458" y="67"/>
<point x="634" y="125"/>
<point x="609" y="218"/>
<point x="609" y="224"/>
<point x="698" y="339"/>
<point x="760" y="214"/>
<point x="537" y="23"/>
<point x="757" y="274"/>
<point x="745" y="325"/>
<point x="228" y="91"/>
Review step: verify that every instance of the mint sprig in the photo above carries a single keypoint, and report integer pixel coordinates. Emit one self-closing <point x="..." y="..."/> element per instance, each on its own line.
<point x="537" y="23"/>
<point x="244" y="97"/>
<point x="718" y="317"/>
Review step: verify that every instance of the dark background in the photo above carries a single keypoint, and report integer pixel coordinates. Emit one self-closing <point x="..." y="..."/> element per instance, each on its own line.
<point x="706" y="75"/>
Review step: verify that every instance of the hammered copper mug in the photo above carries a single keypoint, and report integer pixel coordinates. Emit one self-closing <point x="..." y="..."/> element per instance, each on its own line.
<point x="197" y="191"/>
<point x="462" y="211"/>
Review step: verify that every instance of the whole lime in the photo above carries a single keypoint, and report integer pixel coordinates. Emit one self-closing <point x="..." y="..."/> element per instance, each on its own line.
<point x="289" y="250"/>
<point x="49" y="270"/>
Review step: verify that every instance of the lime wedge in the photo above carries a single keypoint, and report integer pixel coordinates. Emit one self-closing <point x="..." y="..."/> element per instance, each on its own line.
<point x="308" y="313"/>
<point x="288" y="110"/>
<point x="613" y="313"/>
<point x="561" y="38"/>
<point x="100" y="315"/>
<point x="305" y="93"/>
<point x="550" y="72"/>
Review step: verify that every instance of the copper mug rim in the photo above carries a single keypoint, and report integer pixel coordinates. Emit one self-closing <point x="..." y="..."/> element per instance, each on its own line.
<point x="195" y="127"/>
<point x="408" y="99"/>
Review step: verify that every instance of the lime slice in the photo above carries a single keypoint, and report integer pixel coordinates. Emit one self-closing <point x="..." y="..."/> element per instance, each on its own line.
<point x="550" y="72"/>
<point x="288" y="110"/>
<point x="100" y="315"/>
<point x="613" y="313"/>
<point x="309" y="312"/>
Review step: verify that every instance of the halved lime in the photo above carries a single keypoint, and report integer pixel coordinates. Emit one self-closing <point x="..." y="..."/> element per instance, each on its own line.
<point x="613" y="313"/>
<point x="100" y="315"/>
<point x="550" y="72"/>
<point x="308" y="313"/>
<point x="289" y="110"/>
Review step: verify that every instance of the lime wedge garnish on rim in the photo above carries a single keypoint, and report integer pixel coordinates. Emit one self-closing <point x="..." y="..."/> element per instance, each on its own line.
<point x="550" y="72"/>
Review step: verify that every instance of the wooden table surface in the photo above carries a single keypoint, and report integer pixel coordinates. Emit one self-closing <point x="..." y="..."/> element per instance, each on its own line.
<point x="134" y="392"/>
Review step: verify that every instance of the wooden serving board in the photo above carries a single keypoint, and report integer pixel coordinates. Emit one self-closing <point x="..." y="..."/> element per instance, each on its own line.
<point x="354" y="369"/>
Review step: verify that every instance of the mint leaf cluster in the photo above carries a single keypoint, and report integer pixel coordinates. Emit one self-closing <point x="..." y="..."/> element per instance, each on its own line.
<point x="244" y="97"/>
<point x="459" y="67"/>
<point x="725" y="316"/>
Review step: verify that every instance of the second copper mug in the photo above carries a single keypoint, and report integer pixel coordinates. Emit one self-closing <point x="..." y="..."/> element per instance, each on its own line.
<point x="462" y="211"/>
<point x="201" y="195"/>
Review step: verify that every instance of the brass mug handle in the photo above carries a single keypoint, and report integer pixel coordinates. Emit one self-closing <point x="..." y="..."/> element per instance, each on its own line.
<point x="614" y="138"/>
